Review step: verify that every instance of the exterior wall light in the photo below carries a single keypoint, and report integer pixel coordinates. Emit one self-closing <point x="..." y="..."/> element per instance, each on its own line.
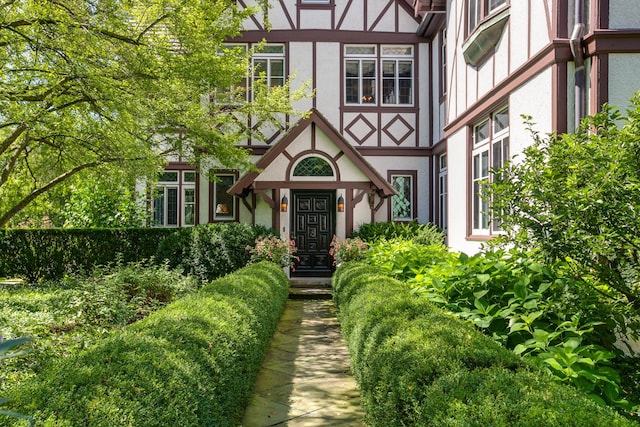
<point x="341" y="204"/>
<point x="284" y="204"/>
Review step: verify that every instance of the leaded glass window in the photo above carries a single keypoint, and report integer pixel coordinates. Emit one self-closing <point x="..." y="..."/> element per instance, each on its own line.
<point x="313" y="166"/>
<point x="402" y="202"/>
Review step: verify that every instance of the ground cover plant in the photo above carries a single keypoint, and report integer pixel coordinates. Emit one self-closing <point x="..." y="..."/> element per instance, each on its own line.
<point x="541" y="312"/>
<point x="65" y="316"/>
<point x="418" y="365"/>
<point x="193" y="363"/>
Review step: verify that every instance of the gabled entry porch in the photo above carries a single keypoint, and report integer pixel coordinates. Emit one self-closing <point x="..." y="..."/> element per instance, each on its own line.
<point x="299" y="182"/>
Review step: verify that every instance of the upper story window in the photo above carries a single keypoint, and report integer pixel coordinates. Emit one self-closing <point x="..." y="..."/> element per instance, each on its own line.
<point x="360" y="74"/>
<point x="490" y="151"/>
<point x="443" y="62"/>
<point x="477" y="10"/>
<point x="370" y="67"/>
<point x="235" y="93"/>
<point x="397" y="75"/>
<point x="315" y="1"/>
<point x="269" y="64"/>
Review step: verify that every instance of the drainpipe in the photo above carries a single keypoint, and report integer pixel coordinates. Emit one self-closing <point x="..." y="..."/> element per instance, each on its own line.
<point x="578" y="58"/>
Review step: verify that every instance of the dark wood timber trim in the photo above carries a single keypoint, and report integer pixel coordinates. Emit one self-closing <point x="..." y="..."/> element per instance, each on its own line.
<point x="283" y="36"/>
<point x="312" y="185"/>
<point x="559" y="87"/>
<point x="612" y="41"/>
<point x="555" y="52"/>
<point x="395" y="151"/>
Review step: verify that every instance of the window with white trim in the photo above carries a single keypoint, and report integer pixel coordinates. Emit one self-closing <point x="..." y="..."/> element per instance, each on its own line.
<point x="477" y="10"/>
<point x="174" y="202"/>
<point x="402" y="203"/>
<point x="360" y="74"/>
<point x="443" y="62"/>
<point x="397" y="75"/>
<point x="442" y="192"/>
<point x="236" y="93"/>
<point x="490" y="151"/>
<point x="269" y="64"/>
<point x="224" y="203"/>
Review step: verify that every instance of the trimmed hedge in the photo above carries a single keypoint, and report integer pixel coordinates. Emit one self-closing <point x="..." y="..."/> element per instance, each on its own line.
<point x="192" y="363"/>
<point x="419" y="366"/>
<point x="49" y="254"/>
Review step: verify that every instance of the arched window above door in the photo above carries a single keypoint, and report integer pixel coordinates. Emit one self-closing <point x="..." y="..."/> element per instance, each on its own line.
<point x="313" y="166"/>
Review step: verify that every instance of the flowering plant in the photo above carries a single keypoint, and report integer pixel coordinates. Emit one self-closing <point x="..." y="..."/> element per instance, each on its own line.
<point x="281" y="252"/>
<point x="347" y="250"/>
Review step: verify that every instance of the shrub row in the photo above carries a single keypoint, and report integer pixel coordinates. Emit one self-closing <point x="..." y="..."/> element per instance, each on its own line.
<point x="210" y="251"/>
<point x="425" y="234"/>
<point x="48" y="254"/>
<point x="417" y="365"/>
<point x="206" y="251"/>
<point x="192" y="363"/>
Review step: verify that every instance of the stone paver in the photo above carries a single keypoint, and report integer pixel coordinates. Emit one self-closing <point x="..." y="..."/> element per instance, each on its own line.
<point x="305" y="379"/>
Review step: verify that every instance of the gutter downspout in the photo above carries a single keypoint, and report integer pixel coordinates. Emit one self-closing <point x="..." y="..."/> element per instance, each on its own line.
<point x="578" y="57"/>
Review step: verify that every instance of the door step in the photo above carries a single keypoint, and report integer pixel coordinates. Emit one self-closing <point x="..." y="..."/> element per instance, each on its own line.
<point x="310" y="288"/>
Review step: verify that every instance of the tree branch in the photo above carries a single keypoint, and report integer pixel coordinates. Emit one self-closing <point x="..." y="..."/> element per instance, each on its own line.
<point x="12" y="138"/>
<point x="4" y="219"/>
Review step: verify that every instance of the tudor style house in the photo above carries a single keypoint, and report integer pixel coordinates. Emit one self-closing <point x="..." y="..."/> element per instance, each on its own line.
<point x="416" y="100"/>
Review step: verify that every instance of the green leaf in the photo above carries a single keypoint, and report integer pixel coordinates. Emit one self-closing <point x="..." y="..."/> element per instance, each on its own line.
<point x="483" y="278"/>
<point x="520" y="289"/>
<point x="480" y="294"/>
<point x="520" y="348"/>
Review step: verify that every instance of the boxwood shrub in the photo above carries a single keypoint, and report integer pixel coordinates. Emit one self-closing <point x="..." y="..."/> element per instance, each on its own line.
<point x="192" y="363"/>
<point x="419" y="366"/>
<point x="50" y="254"/>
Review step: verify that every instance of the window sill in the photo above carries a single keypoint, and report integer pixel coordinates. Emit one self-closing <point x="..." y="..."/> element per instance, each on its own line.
<point x="479" y="238"/>
<point x="485" y="37"/>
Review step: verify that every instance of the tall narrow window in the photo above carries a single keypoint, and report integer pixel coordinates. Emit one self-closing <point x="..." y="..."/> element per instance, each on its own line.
<point x="442" y="192"/>
<point x="236" y="92"/>
<point x="474" y="13"/>
<point x="443" y="62"/>
<point x="397" y="74"/>
<point x="269" y="64"/>
<point x="403" y="203"/>
<point x="224" y="203"/>
<point x="174" y="202"/>
<point x="360" y="74"/>
<point x="490" y="151"/>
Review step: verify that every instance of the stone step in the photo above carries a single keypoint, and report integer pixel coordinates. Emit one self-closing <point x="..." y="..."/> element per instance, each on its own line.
<point x="310" y="288"/>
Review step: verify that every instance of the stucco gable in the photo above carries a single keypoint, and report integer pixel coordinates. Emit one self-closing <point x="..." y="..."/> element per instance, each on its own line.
<point x="276" y="153"/>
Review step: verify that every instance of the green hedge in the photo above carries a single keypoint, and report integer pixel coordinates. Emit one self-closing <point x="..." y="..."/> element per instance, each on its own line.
<point x="192" y="363"/>
<point x="49" y="254"/>
<point x="212" y="250"/>
<point x="418" y="366"/>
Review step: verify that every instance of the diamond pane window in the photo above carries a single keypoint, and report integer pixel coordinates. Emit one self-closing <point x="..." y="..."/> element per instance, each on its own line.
<point x="313" y="166"/>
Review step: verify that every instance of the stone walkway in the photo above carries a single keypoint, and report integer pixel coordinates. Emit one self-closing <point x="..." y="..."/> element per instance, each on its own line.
<point x="305" y="378"/>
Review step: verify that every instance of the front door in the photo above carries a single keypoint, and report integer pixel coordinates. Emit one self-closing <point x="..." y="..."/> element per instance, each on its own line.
<point x="312" y="228"/>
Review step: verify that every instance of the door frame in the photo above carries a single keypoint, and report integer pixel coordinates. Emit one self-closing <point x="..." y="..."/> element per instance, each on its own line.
<point x="331" y="210"/>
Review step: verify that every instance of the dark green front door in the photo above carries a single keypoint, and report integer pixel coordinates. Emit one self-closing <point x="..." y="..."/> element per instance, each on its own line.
<point x="312" y="228"/>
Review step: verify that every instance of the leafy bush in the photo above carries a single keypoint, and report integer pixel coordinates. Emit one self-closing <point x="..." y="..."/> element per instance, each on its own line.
<point x="576" y="196"/>
<point x="405" y="259"/>
<point x="425" y="234"/>
<point x="50" y="254"/>
<point x="212" y="250"/>
<point x="191" y="364"/>
<point x="540" y="312"/>
<point x="419" y="366"/>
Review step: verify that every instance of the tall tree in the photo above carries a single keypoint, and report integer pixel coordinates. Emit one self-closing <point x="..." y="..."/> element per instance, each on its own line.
<point x="116" y="83"/>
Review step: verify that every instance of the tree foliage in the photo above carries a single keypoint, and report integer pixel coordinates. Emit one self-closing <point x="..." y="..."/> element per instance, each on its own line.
<point x="117" y="83"/>
<point x="576" y="197"/>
